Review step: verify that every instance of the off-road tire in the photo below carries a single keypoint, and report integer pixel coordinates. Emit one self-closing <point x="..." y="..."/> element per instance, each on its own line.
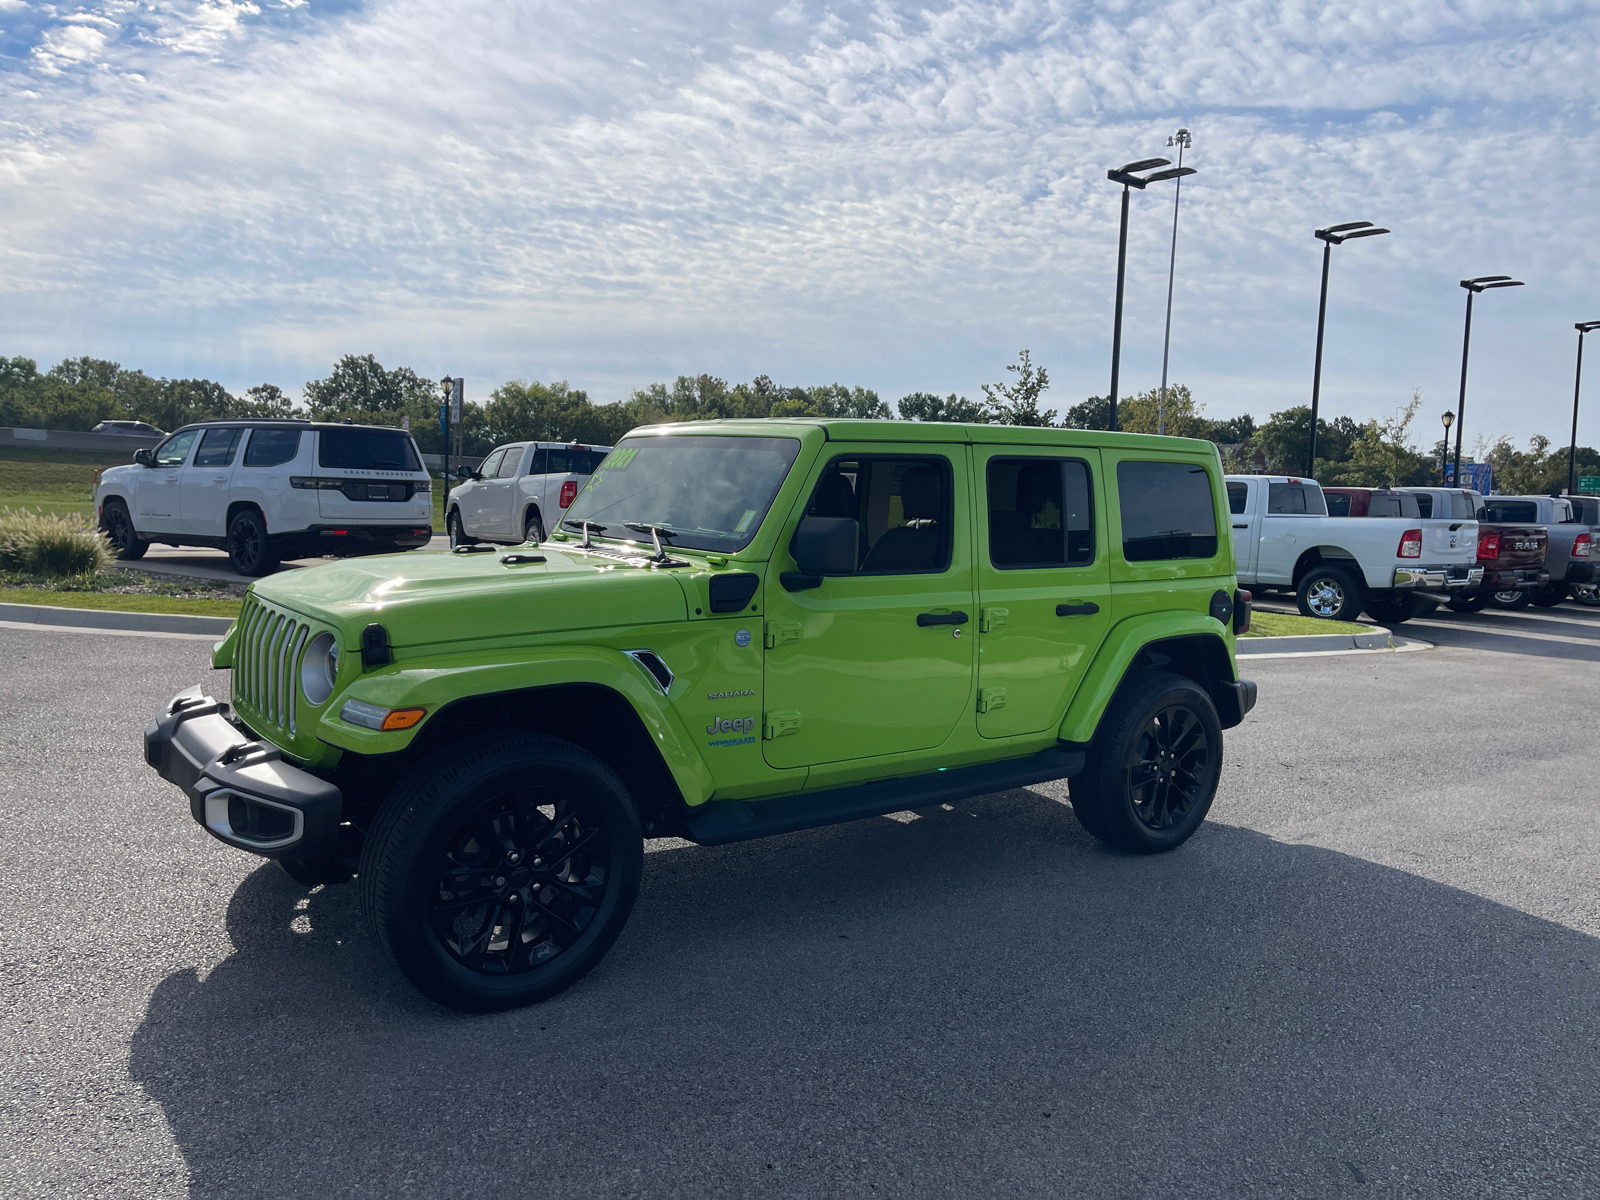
<point x="1512" y="598"/>
<point x="125" y="541"/>
<point x="454" y="529"/>
<point x="1120" y="802"/>
<point x="1549" y="596"/>
<point x="426" y="841"/>
<point x="249" y="549"/>
<point x="532" y="528"/>
<point x="1330" y="593"/>
<point x="1398" y="611"/>
<point x="1476" y="602"/>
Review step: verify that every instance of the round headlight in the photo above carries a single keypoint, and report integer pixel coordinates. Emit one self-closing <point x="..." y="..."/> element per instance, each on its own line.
<point x="319" y="669"/>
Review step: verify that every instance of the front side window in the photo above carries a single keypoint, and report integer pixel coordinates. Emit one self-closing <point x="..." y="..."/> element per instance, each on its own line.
<point x="1424" y="504"/>
<point x="1238" y="497"/>
<point x="491" y="465"/>
<point x="272" y="447"/>
<point x="175" y="449"/>
<point x="217" y="447"/>
<point x="901" y="506"/>
<point x="704" y="492"/>
<point x="1507" y="512"/>
<point x="1040" y="513"/>
<point x="1167" y="511"/>
<point x="367" y="450"/>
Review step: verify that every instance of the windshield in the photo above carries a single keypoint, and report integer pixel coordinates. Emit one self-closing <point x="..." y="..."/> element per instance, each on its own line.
<point x="703" y="493"/>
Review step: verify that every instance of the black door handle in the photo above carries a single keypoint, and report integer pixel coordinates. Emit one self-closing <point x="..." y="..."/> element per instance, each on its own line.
<point x="1241" y="527"/>
<point x="1077" y="610"/>
<point x="955" y="618"/>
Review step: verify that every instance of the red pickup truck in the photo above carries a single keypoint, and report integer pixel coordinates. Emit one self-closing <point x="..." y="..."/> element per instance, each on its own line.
<point x="1512" y="555"/>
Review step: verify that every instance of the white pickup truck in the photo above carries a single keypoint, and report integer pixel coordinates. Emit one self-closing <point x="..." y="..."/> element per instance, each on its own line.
<point x="1393" y="568"/>
<point x="519" y="493"/>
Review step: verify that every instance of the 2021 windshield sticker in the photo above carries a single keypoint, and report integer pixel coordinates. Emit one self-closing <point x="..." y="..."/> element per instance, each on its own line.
<point x="732" y="725"/>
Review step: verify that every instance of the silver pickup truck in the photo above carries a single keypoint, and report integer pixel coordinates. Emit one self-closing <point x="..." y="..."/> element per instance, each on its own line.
<point x="1570" y="558"/>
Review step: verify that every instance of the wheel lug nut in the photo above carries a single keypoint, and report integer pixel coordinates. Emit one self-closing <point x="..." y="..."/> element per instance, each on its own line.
<point x="538" y="862"/>
<point x="499" y="881"/>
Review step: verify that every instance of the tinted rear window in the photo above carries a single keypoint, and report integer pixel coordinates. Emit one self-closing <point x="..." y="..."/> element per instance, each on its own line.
<point x="1509" y="511"/>
<point x="367" y="450"/>
<point x="567" y="462"/>
<point x="1338" y="504"/>
<point x="1461" y="507"/>
<point x="1295" y="499"/>
<point x="1238" y="497"/>
<point x="1393" y="504"/>
<point x="1167" y="511"/>
<point x="1425" y="504"/>
<point x="271" y="447"/>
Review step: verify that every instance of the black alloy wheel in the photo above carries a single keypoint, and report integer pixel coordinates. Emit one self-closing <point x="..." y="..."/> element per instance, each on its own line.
<point x="533" y="528"/>
<point x="504" y="872"/>
<point x="1512" y="598"/>
<point x="1153" y="769"/>
<point x="249" y="549"/>
<point x="1586" y="593"/>
<point x="453" y="528"/>
<point x="125" y="540"/>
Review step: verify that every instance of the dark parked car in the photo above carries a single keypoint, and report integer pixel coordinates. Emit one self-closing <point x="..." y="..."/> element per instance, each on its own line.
<point x="130" y="428"/>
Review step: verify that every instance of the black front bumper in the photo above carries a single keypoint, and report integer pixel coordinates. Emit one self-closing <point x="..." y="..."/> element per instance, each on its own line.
<point x="239" y="788"/>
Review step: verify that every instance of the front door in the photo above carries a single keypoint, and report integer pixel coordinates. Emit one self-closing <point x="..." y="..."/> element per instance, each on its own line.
<point x="158" y="492"/>
<point x="1044" y="584"/>
<point x="204" y="483"/>
<point x="473" y="498"/>
<point x="881" y="661"/>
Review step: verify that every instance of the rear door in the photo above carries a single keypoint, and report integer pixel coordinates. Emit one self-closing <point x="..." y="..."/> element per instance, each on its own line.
<point x="1286" y="533"/>
<point x="1241" y="515"/>
<point x="370" y="476"/>
<point x="204" y="482"/>
<point x="1044" y="583"/>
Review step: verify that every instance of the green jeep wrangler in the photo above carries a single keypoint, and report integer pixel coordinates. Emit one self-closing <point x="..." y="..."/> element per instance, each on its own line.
<point x="741" y="628"/>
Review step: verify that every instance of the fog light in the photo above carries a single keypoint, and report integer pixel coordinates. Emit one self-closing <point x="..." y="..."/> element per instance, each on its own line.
<point x="373" y="716"/>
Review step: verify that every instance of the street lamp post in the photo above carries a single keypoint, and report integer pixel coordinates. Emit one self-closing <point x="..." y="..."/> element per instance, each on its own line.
<point x="1582" y="327"/>
<point x="1182" y="140"/>
<point x="1126" y="177"/>
<point x="1449" y="419"/>
<point x="1333" y="235"/>
<point x="1481" y="284"/>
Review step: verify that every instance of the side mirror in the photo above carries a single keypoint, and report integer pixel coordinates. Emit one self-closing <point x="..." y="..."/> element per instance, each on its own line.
<point x="822" y="546"/>
<point x="142" y="457"/>
<point x="467" y="473"/>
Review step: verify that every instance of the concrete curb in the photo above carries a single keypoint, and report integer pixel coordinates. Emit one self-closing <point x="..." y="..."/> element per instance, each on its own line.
<point x="1378" y="639"/>
<point x="96" y="618"/>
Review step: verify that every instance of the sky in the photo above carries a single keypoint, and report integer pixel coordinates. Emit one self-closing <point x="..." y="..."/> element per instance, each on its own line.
<point x="889" y="195"/>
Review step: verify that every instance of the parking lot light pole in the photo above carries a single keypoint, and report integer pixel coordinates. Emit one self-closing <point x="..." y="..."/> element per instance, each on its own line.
<point x="1582" y="327"/>
<point x="1126" y="177"/>
<point x="1481" y="284"/>
<point x="1333" y="235"/>
<point x="1449" y="419"/>
<point x="1183" y="139"/>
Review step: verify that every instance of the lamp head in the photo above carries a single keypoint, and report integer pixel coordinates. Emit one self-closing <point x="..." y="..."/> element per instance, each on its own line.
<point x="1449" y="419"/>
<point x="1586" y="326"/>
<point x="1337" y="235"/>
<point x="1125" y="173"/>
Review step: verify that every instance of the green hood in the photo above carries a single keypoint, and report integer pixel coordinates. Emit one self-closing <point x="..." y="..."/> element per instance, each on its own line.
<point x="423" y="598"/>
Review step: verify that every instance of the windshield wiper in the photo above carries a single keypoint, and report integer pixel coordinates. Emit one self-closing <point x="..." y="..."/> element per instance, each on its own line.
<point x="656" y="533"/>
<point x="586" y="527"/>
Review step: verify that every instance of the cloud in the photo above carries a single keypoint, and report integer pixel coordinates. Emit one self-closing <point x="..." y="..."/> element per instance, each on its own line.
<point x="898" y="196"/>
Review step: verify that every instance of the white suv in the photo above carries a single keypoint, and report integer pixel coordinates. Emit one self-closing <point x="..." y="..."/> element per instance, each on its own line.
<point x="266" y="490"/>
<point x="519" y="492"/>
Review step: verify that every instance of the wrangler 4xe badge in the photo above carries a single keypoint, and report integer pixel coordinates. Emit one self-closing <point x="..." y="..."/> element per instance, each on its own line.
<point x="739" y="727"/>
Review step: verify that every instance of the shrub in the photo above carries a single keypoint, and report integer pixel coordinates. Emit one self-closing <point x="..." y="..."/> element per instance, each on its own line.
<point x="40" y="544"/>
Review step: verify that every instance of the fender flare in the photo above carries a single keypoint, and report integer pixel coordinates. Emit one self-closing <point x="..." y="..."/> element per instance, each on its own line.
<point x="1122" y="645"/>
<point x="436" y="682"/>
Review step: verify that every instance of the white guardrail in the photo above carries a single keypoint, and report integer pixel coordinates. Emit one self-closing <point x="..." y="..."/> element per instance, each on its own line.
<point x="70" y="439"/>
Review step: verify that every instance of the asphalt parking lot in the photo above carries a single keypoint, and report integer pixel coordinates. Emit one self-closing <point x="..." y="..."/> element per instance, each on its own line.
<point x="1375" y="971"/>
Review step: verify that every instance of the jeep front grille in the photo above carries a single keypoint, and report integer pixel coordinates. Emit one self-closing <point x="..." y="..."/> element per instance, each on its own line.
<point x="266" y="662"/>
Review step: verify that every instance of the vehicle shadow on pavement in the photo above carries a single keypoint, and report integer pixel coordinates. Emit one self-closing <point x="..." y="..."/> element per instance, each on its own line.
<point x="977" y="1000"/>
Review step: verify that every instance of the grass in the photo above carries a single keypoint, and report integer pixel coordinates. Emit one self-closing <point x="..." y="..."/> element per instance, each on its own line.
<point x="120" y="602"/>
<point x="1270" y="624"/>
<point x="53" y="481"/>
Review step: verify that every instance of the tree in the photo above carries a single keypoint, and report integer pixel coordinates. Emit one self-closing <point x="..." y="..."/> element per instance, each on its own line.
<point x="264" y="400"/>
<point x="923" y="406"/>
<point x="1140" y="414"/>
<point x="1540" y="470"/>
<point x="537" y="412"/>
<point x="1018" y="403"/>
<point x="359" y="384"/>
<point x="1093" y="413"/>
<point x="1282" y="440"/>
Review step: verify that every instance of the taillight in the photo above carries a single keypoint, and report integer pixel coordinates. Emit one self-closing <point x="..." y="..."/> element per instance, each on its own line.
<point x="569" y="492"/>
<point x="1410" y="544"/>
<point x="1582" y="545"/>
<point x="1488" y="545"/>
<point x="1241" y="611"/>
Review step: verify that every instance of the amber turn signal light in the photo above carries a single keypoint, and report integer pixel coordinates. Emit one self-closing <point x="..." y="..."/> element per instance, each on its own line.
<point x="403" y="718"/>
